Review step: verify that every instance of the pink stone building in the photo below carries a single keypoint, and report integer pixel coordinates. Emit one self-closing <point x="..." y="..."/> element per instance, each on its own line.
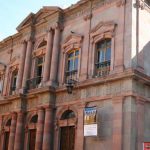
<point x="95" y="53"/>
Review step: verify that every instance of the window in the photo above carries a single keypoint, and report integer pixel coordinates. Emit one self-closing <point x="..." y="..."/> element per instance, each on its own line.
<point x="39" y="69"/>
<point x="72" y="65"/>
<point x="1" y="84"/>
<point x="67" y="115"/>
<point x="34" y="119"/>
<point x="13" y="81"/>
<point x="103" y="59"/>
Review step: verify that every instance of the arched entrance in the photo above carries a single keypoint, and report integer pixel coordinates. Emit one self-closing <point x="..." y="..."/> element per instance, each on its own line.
<point x="32" y="132"/>
<point x="67" y="130"/>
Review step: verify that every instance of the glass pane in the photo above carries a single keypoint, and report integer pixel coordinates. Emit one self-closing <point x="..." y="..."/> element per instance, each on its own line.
<point x="108" y="54"/>
<point x="70" y="65"/>
<point x="101" y="56"/>
<point x="76" y="64"/>
<point x="39" y="60"/>
<point x="76" y="52"/>
<point x="71" y="55"/>
<point x="39" y="71"/>
<point x="108" y="44"/>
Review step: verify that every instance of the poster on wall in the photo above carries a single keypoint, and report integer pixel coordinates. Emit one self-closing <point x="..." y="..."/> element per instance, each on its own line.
<point x="90" y="124"/>
<point x="146" y="146"/>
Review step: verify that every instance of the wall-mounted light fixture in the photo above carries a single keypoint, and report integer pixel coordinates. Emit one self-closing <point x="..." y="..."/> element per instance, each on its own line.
<point x="70" y="85"/>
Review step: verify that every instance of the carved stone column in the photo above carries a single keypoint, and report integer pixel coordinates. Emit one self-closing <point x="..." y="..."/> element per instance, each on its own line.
<point x="48" y="129"/>
<point x="12" y="132"/>
<point x="48" y="56"/>
<point x="27" y="66"/>
<point x="5" y="90"/>
<point x="21" y="65"/>
<point x="79" y="144"/>
<point x="140" y="122"/>
<point x="40" y="127"/>
<point x="19" y="132"/>
<point x="117" y="123"/>
<point x="55" y="55"/>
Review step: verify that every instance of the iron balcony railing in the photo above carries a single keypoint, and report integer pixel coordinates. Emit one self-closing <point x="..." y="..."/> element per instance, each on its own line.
<point x="33" y="83"/>
<point x="12" y="90"/>
<point x="71" y="76"/>
<point x="102" y="68"/>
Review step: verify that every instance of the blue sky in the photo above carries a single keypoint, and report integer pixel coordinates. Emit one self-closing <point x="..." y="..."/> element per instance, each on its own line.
<point x="13" y="12"/>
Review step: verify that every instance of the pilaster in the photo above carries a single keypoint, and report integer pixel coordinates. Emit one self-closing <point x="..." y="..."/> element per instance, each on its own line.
<point x="40" y="128"/>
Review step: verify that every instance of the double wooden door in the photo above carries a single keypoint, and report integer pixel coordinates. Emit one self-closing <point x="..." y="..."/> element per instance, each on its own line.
<point x="32" y="137"/>
<point x="67" y="138"/>
<point x="6" y="140"/>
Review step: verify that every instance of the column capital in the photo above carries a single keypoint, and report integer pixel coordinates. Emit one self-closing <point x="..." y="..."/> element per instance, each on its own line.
<point x="50" y="29"/>
<point x="14" y="115"/>
<point x="30" y="39"/>
<point x="40" y="108"/>
<point x="57" y="26"/>
<point x="49" y="107"/>
<point x="23" y="41"/>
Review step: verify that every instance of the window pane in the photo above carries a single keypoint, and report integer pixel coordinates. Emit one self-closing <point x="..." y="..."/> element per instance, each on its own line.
<point x="108" y="54"/>
<point x="70" y="65"/>
<point x="101" y="56"/>
<point x="76" y="64"/>
<point x="71" y="55"/>
<point x="40" y="60"/>
<point x="39" y="71"/>
<point x="76" y="52"/>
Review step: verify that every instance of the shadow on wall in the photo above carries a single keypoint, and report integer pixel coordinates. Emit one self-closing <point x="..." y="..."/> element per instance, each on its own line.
<point x="143" y="59"/>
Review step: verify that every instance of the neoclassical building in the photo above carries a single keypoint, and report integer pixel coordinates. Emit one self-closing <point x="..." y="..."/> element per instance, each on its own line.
<point x="93" y="54"/>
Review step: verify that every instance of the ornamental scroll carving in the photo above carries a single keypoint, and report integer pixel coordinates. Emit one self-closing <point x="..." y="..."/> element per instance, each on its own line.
<point x="102" y="30"/>
<point x="72" y="41"/>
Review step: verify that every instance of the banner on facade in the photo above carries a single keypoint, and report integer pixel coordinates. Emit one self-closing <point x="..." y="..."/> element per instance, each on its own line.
<point x="90" y="124"/>
<point x="146" y="146"/>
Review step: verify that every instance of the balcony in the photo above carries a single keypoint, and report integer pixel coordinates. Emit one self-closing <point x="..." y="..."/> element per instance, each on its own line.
<point x="33" y="83"/>
<point x="12" y="90"/>
<point x="102" y="68"/>
<point x="71" y="76"/>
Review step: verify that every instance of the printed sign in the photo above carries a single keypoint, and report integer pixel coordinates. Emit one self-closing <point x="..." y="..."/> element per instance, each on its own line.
<point x="146" y="146"/>
<point x="90" y="124"/>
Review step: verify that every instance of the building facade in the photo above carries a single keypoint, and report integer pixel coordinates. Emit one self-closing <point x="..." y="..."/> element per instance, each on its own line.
<point x="93" y="54"/>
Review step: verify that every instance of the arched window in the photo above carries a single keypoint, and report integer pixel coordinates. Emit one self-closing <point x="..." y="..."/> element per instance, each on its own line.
<point x="34" y="119"/>
<point x="103" y="57"/>
<point x="72" y="65"/>
<point x="67" y="115"/>
<point x="42" y="44"/>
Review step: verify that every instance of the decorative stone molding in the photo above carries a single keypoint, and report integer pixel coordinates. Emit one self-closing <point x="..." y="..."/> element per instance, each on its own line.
<point x="87" y="17"/>
<point x="72" y="41"/>
<point x="102" y="30"/>
<point x="121" y="3"/>
<point x="140" y="4"/>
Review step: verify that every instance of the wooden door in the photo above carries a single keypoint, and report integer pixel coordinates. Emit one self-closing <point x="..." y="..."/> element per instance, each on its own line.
<point x="6" y="140"/>
<point x="32" y="137"/>
<point x="67" y="138"/>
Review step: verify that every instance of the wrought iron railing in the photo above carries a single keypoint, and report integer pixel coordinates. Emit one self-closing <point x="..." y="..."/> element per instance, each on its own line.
<point x="33" y="83"/>
<point x="102" y="68"/>
<point x="12" y="90"/>
<point x="71" y="76"/>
